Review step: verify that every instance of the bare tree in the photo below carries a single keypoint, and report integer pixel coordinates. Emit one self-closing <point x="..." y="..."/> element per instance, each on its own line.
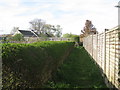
<point x="41" y="28"/>
<point x="37" y="25"/>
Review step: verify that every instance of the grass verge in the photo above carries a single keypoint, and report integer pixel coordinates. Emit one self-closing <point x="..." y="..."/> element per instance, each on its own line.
<point x="77" y="71"/>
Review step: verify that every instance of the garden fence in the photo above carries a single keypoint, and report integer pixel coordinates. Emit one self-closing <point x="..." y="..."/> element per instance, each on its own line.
<point x="105" y="50"/>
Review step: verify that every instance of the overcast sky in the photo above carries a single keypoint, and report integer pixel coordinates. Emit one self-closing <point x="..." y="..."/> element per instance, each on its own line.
<point x="69" y="14"/>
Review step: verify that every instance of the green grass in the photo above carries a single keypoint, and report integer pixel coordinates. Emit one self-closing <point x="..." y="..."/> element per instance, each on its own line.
<point x="77" y="71"/>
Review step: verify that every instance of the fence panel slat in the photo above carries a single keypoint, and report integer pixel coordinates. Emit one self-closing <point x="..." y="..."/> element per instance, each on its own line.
<point x="105" y="50"/>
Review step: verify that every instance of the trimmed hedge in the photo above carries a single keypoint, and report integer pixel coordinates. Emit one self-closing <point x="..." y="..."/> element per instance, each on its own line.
<point x="31" y="65"/>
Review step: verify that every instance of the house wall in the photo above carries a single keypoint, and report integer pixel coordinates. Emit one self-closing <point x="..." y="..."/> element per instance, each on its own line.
<point x="105" y="50"/>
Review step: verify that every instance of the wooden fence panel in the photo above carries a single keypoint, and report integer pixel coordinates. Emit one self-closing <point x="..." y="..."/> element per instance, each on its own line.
<point x="105" y="50"/>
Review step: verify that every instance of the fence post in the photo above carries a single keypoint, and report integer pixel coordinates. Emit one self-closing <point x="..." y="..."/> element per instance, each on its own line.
<point x="92" y="45"/>
<point x="115" y="31"/>
<point x="109" y="58"/>
<point x="105" y="51"/>
<point x="97" y="48"/>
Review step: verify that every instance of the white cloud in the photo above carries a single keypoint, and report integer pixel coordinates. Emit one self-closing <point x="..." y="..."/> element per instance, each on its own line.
<point x="102" y="13"/>
<point x="10" y="3"/>
<point x="71" y="17"/>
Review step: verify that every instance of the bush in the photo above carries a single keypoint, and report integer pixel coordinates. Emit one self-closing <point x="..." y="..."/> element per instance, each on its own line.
<point x="76" y="38"/>
<point x="18" y="37"/>
<point x="31" y="65"/>
<point x="73" y="37"/>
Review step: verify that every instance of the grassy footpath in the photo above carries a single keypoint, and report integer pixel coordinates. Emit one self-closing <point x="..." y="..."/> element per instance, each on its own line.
<point x="77" y="71"/>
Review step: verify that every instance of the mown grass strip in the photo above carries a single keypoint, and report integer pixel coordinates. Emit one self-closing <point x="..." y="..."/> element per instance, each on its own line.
<point x="77" y="71"/>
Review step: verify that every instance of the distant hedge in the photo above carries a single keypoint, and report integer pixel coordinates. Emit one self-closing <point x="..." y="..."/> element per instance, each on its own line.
<point x="31" y="65"/>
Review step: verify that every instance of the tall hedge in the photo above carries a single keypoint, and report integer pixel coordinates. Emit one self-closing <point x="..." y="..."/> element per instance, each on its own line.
<point x="31" y="65"/>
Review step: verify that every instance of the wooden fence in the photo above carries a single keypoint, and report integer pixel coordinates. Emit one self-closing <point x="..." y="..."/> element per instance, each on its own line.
<point x="105" y="50"/>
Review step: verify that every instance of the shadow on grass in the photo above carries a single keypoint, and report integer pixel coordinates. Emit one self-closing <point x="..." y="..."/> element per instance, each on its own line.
<point x="77" y="71"/>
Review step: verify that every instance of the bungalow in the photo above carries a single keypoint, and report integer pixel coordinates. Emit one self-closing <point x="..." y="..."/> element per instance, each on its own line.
<point x="29" y="35"/>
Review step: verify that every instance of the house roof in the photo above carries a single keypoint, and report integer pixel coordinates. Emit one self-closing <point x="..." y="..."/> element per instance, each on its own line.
<point x="27" y="33"/>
